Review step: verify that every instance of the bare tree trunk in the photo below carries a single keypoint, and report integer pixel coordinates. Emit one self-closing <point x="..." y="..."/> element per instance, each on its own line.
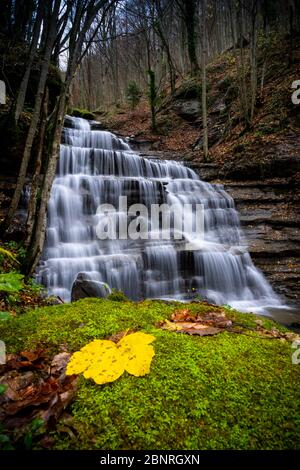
<point x="239" y="58"/>
<point x="204" y="98"/>
<point x="39" y="228"/>
<point x="37" y="172"/>
<point x="253" y="58"/>
<point x="188" y="11"/>
<point x="158" y="26"/>
<point x="242" y="72"/>
<point x="34" y="120"/>
<point x="33" y="49"/>
<point x="77" y="37"/>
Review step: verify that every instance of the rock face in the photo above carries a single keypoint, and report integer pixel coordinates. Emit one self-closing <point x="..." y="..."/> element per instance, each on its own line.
<point x="270" y="219"/>
<point x="269" y="213"/>
<point x="83" y="287"/>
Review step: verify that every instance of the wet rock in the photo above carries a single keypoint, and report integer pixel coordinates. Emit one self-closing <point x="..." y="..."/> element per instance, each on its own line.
<point x="84" y="287"/>
<point x="97" y="126"/>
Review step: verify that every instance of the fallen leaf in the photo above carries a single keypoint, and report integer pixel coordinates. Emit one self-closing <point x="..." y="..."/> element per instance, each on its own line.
<point x="190" y="328"/>
<point x="43" y="391"/>
<point x="105" y="361"/>
<point x="137" y="353"/>
<point x="201" y="324"/>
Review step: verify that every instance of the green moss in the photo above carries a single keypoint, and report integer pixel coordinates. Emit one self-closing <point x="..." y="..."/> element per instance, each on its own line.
<point x="220" y="392"/>
<point x="83" y="113"/>
<point x="190" y="88"/>
<point x="117" y="296"/>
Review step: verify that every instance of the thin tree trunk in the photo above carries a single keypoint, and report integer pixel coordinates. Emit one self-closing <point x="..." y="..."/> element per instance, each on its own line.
<point x="34" y="120"/>
<point x="239" y="58"/>
<point x="242" y="74"/>
<point x="253" y="58"/>
<point x="77" y="37"/>
<point x="39" y="228"/>
<point x="190" y="23"/>
<point x="33" y="49"/>
<point x="37" y="172"/>
<point x="158" y="27"/>
<point x="204" y="98"/>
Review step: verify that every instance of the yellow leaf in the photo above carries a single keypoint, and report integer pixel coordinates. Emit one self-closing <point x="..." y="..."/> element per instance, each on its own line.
<point x="78" y="363"/>
<point x="104" y="361"/>
<point x="137" y="353"/>
<point x="107" y="365"/>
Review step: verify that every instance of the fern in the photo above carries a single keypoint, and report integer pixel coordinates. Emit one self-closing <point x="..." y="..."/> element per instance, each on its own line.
<point x="11" y="282"/>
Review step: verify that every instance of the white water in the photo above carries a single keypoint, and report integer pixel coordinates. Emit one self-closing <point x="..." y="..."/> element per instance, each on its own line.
<point x="96" y="167"/>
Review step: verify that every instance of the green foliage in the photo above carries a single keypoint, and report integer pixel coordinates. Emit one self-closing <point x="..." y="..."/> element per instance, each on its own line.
<point x="34" y="286"/>
<point x="117" y="296"/>
<point x="266" y="129"/>
<point x="267" y="42"/>
<point x="11" y="253"/>
<point x="5" y="442"/>
<point x="34" y="429"/>
<point x="11" y="282"/>
<point x="12" y="299"/>
<point x="21" y="254"/>
<point x="221" y="392"/>
<point x="4" y="316"/>
<point x="198" y="297"/>
<point x="133" y="94"/>
<point x="8" y="254"/>
<point x="83" y="113"/>
<point x="3" y="388"/>
<point x="228" y="307"/>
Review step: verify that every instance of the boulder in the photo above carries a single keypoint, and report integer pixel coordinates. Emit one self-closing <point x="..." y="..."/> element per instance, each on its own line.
<point x="188" y="109"/>
<point x="84" y="287"/>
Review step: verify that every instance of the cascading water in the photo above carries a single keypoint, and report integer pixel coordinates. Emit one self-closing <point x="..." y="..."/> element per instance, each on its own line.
<point x="96" y="167"/>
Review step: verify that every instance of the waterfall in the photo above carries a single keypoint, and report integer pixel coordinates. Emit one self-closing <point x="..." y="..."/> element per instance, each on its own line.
<point x="96" y="168"/>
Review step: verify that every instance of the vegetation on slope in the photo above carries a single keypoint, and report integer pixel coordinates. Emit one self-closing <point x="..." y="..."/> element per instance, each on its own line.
<point x="275" y="125"/>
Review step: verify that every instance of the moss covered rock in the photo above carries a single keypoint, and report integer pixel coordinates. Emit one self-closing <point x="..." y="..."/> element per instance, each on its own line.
<point x="225" y="391"/>
<point x="83" y="113"/>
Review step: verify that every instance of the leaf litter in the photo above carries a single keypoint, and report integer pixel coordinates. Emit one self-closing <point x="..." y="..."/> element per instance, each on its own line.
<point x="212" y="323"/>
<point x="35" y="387"/>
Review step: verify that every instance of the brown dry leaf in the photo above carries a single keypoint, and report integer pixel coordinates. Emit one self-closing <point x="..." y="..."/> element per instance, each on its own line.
<point x="182" y="315"/>
<point x="207" y="331"/>
<point x="43" y="391"/>
<point x="202" y="324"/>
<point x="31" y="355"/>
<point x="191" y="328"/>
<point x="26" y="359"/>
